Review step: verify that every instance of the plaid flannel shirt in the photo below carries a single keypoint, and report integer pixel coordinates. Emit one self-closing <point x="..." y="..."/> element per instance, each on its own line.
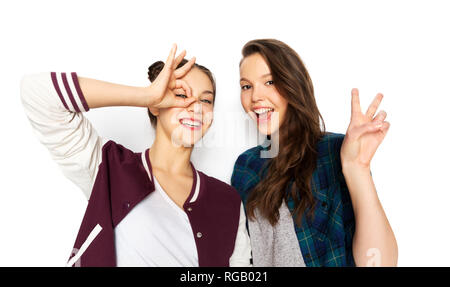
<point x="327" y="239"/>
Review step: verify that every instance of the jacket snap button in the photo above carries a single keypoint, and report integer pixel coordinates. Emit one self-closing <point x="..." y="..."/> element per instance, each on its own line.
<point x="189" y="209"/>
<point x="199" y="235"/>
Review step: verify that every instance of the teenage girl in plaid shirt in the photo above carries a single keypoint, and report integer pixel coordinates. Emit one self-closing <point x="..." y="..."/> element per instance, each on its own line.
<point x="314" y="203"/>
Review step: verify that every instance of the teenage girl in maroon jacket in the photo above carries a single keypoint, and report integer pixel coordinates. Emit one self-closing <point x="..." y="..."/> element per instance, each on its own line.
<point x="145" y="209"/>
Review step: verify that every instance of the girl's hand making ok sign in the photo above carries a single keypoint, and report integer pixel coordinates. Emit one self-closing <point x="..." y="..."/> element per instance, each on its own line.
<point x="160" y="92"/>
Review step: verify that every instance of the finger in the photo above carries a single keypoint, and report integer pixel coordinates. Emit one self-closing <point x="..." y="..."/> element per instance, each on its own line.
<point x="366" y="128"/>
<point x="170" y="58"/>
<point x="178" y="60"/>
<point x="182" y="103"/>
<point x="380" y="117"/>
<point x="374" y="106"/>
<point x="356" y="107"/>
<point x="385" y="127"/>
<point x="383" y="130"/>
<point x="183" y="85"/>
<point x="180" y="72"/>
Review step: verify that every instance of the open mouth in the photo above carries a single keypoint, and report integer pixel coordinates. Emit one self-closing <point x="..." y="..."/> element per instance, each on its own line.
<point x="263" y="114"/>
<point x="191" y="123"/>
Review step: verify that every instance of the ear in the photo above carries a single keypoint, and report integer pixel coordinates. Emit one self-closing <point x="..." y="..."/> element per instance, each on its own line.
<point x="154" y="111"/>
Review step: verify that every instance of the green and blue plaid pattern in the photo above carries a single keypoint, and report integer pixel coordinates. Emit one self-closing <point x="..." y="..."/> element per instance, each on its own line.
<point x="326" y="240"/>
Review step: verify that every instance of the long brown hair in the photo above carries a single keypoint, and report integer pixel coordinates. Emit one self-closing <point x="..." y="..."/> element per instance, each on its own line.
<point x="299" y="133"/>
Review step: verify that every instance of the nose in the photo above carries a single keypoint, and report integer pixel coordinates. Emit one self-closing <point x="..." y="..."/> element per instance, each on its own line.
<point x="258" y="93"/>
<point x="195" y="107"/>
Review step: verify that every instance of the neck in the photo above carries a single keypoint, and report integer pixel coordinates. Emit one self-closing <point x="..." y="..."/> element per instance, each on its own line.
<point x="167" y="157"/>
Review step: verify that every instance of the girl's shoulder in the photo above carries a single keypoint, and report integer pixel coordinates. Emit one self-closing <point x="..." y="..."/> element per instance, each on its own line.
<point x="331" y="139"/>
<point x="251" y="158"/>
<point x="329" y="157"/>
<point x="328" y="179"/>
<point x="215" y="190"/>
<point x="247" y="170"/>
<point x="329" y="147"/>
<point x="216" y="184"/>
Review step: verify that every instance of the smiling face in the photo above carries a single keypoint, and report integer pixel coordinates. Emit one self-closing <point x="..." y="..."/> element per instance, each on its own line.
<point x="186" y="126"/>
<point x="259" y="97"/>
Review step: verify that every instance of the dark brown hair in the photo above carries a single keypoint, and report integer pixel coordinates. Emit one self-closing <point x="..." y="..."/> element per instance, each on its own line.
<point x="156" y="68"/>
<point x="299" y="132"/>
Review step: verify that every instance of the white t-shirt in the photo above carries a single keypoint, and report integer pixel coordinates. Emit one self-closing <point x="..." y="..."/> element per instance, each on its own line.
<point x="156" y="232"/>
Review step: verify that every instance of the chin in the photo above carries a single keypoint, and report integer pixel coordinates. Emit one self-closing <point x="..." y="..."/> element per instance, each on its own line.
<point x="189" y="140"/>
<point x="267" y="131"/>
<point x="183" y="142"/>
<point x="186" y="137"/>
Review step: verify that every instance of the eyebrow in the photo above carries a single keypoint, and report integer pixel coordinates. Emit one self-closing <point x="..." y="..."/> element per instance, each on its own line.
<point x="208" y="92"/>
<point x="263" y="76"/>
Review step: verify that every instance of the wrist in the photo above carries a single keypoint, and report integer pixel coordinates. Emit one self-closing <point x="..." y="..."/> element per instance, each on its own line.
<point x="351" y="168"/>
<point x="360" y="184"/>
<point x="147" y="96"/>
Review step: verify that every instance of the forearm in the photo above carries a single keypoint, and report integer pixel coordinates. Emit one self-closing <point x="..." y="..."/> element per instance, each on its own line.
<point x="373" y="241"/>
<point x="104" y="94"/>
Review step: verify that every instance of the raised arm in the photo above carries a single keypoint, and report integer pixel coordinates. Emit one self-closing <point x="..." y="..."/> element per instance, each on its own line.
<point x="55" y="102"/>
<point x="157" y="95"/>
<point x="374" y="243"/>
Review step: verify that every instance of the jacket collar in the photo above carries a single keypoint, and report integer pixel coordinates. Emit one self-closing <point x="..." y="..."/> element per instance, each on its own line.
<point x="195" y="190"/>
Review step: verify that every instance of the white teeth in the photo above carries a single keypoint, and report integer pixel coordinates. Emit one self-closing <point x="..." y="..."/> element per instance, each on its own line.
<point x="190" y="123"/>
<point x="262" y="111"/>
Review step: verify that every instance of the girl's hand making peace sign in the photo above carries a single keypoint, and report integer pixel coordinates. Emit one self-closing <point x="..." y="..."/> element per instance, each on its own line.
<point x="364" y="134"/>
<point x="161" y="93"/>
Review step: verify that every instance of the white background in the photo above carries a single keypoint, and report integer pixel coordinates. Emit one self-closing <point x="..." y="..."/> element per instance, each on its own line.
<point x="399" y="48"/>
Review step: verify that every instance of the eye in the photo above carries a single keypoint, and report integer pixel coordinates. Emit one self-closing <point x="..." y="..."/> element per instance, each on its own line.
<point x="207" y="101"/>
<point x="245" y="87"/>
<point x="181" y="95"/>
<point x="269" y="82"/>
